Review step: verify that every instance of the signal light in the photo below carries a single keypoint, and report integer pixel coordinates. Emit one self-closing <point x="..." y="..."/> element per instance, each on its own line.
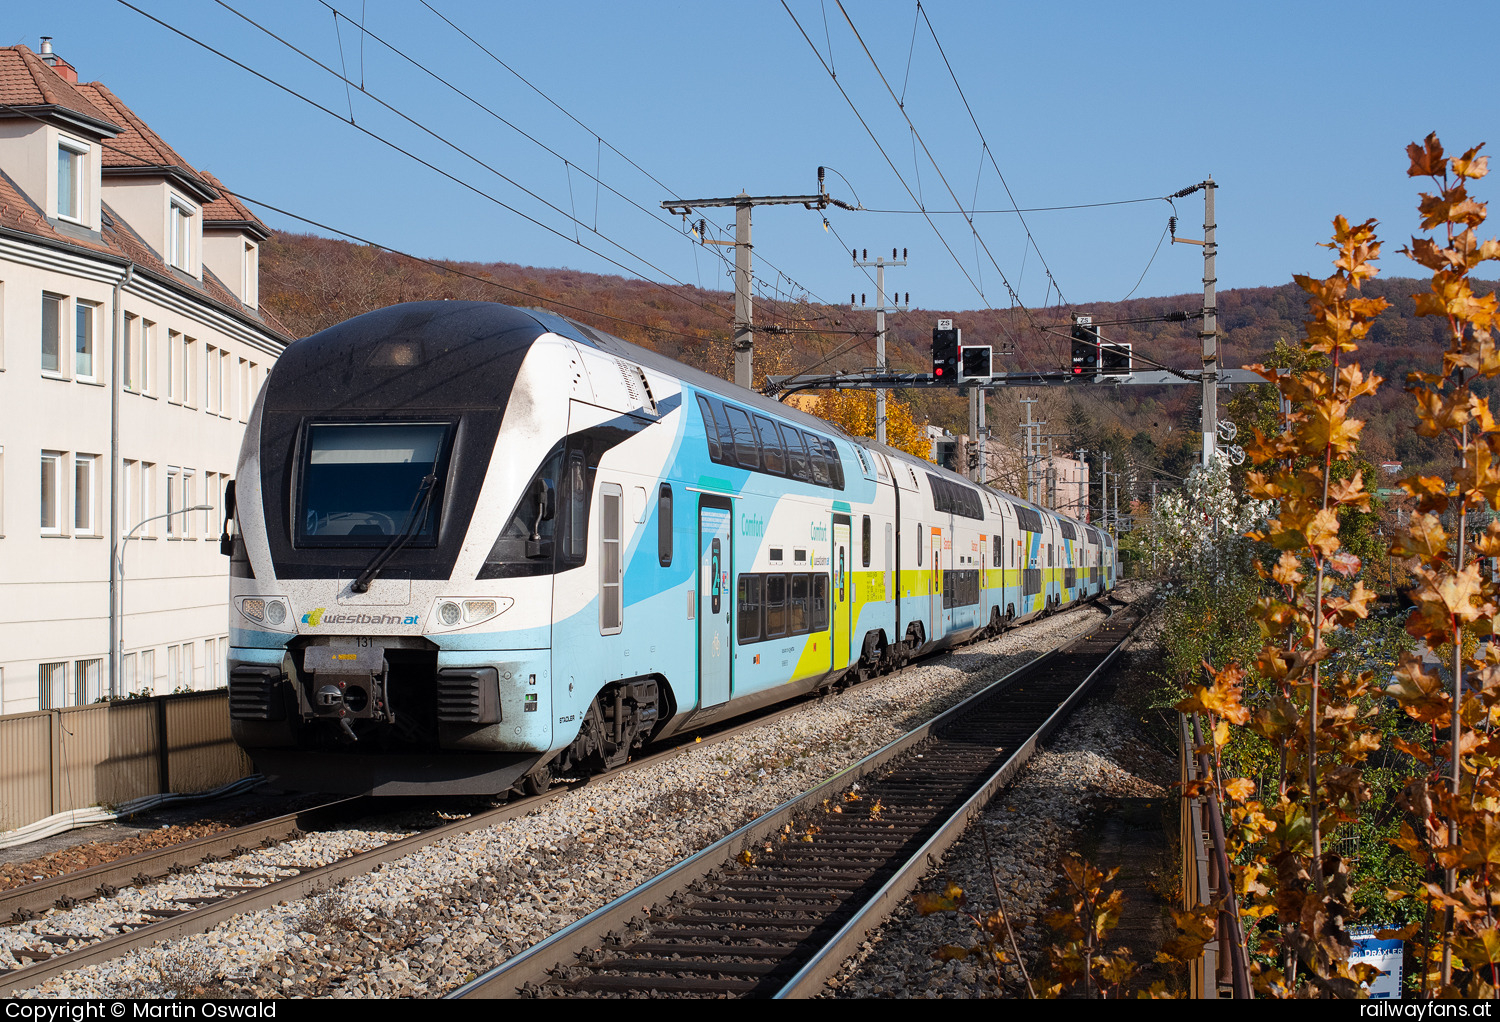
<point x="1085" y="347"/>
<point x="946" y="339"/>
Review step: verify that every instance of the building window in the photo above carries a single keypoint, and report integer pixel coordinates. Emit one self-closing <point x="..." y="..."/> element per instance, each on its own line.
<point x="148" y="671"/>
<point x="174" y="674"/>
<point x="210" y="379"/>
<point x="127" y="674"/>
<point x="72" y="168"/>
<point x="86" y="676"/>
<point x="2" y="509"/>
<point x="189" y="371"/>
<point x="250" y="276"/>
<point x="83" y="494"/>
<point x="172" y="506"/>
<point x="84" y="315"/>
<point x="52" y="493"/>
<point x="180" y="234"/>
<point x="52" y="686"/>
<point x="52" y="313"/>
<point x="130" y="352"/>
<point x="148" y="499"/>
<point x="189" y="491"/>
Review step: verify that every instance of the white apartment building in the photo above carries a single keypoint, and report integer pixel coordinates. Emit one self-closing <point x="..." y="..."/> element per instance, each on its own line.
<point x="132" y="347"/>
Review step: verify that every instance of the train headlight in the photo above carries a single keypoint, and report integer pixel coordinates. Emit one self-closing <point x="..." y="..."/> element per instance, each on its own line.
<point x="478" y="610"/>
<point x="269" y="611"/>
<point x="449" y="614"/>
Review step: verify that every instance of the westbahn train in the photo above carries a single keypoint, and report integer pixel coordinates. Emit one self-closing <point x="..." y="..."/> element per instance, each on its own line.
<point x="475" y="547"/>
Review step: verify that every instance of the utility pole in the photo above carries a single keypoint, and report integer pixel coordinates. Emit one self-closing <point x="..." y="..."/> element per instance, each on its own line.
<point x="1209" y="333"/>
<point x="1210" y="328"/>
<point x="1104" y="492"/>
<point x="880" y="264"/>
<point x="1030" y="427"/>
<point x="744" y="331"/>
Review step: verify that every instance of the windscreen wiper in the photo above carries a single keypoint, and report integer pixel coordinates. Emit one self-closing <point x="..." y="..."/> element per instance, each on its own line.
<point x="415" y="515"/>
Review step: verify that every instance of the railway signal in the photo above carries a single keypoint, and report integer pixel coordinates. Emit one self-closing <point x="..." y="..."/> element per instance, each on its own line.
<point x="1085" y="346"/>
<point x="946" y="339"/>
<point x="974" y="363"/>
<point x="1114" y="358"/>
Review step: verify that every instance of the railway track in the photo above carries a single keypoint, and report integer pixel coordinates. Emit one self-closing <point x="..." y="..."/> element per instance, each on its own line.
<point x="52" y="954"/>
<point x="774" y="908"/>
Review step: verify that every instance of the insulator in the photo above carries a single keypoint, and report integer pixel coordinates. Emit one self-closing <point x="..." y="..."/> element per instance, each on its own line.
<point x="851" y="299"/>
<point x="908" y="298"/>
<point x="893" y="253"/>
<point x="862" y="298"/>
<point x="1172" y="225"/>
<point x="854" y="254"/>
<point x="867" y="253"/>
<point x="903" y="253"/>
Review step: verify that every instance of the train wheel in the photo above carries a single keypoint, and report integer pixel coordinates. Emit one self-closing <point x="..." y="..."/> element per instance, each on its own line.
<point x="539" y="779"/>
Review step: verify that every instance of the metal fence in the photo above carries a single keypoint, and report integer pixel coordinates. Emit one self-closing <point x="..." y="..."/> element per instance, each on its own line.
<point x="52" y="761"/>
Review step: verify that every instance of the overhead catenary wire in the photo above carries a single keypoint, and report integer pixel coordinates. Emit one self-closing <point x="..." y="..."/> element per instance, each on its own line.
<point x="444" y="267"/>
<point x="917" y="135"/>
<point x="600" y="139"/>
<point x="462" y="151"/>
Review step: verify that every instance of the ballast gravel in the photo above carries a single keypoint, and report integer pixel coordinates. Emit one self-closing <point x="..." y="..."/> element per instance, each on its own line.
<point x="424" y="924"/>
<point x="1030" y="826"/>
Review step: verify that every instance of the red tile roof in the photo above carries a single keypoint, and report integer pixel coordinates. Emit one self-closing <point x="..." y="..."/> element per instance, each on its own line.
<point x="137" y="148"/>
<point x="228" y="210"/>
<point x="26" y="82"/>
<point x="117" y="241"/>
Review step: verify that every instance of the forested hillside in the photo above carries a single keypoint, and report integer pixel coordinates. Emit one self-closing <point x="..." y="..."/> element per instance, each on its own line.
<point x="312" y="283"/>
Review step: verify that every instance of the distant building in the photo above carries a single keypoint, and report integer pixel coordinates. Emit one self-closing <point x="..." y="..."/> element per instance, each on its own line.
<point x="1390" y="467"/>
<point x="132" y="347"/>
<point x="1055" y="481"/>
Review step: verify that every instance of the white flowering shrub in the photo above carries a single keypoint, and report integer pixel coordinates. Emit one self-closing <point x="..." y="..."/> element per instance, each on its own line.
<point x="1198" y="532"/>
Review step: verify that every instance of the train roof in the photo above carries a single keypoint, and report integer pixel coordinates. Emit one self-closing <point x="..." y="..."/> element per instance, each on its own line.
<point x="482" y="338"/>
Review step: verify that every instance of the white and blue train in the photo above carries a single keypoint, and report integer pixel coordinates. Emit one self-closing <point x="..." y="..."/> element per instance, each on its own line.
<point x="476" y="547"/>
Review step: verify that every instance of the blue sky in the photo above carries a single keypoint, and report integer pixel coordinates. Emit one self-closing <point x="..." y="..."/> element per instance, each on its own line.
<point x="1300" y="111"/>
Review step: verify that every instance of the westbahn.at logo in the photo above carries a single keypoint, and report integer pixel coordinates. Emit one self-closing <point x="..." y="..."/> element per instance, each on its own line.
<point x="318" y="617"/>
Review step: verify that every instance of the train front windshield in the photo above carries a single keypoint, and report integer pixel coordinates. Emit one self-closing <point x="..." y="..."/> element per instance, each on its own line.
<point x="363" y="484"/>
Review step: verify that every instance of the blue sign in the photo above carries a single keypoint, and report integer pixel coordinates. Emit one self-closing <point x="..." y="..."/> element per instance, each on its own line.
<point x="1385" y="955"/>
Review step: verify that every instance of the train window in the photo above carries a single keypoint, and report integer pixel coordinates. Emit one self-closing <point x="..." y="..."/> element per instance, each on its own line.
<point x="920" y="533"/>
<point x="524" y="546"/>
<point x="710" y="428"/>
<point x="799" y="555"/>
<point x="746" y="447"/>
<point x="664" y="525"/>
<point x="362" y="484"/>
<point x="816" y="459"/>
<point x="820" y="603"/>
<point x="864" y="542"/>
<point x="797" y="466"/>
<point x="998" y="544"/>
<point x="611" y="601"/>
<point x="797" y="616"/>
<point x="775" y="606"/>
<point x="749" y="604"/>
<point x="835" y="464"/>
<point x="770" y="446"/>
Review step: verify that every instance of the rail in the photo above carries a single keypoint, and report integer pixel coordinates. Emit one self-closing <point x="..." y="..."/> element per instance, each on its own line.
<point x="725" y="922"/>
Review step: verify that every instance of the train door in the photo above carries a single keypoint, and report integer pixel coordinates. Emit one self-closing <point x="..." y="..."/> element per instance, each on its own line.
<point x="715" y="613"/>
<point x="842" y="597"/>
<point x="935" y="626"/>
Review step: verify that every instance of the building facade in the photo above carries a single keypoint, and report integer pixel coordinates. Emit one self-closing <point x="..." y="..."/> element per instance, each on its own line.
<point x="132" y="348"/>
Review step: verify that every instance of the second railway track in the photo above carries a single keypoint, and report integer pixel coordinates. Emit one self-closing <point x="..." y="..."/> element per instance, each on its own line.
<point x="53" y="954"/>
<point x="774" y="908"/>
